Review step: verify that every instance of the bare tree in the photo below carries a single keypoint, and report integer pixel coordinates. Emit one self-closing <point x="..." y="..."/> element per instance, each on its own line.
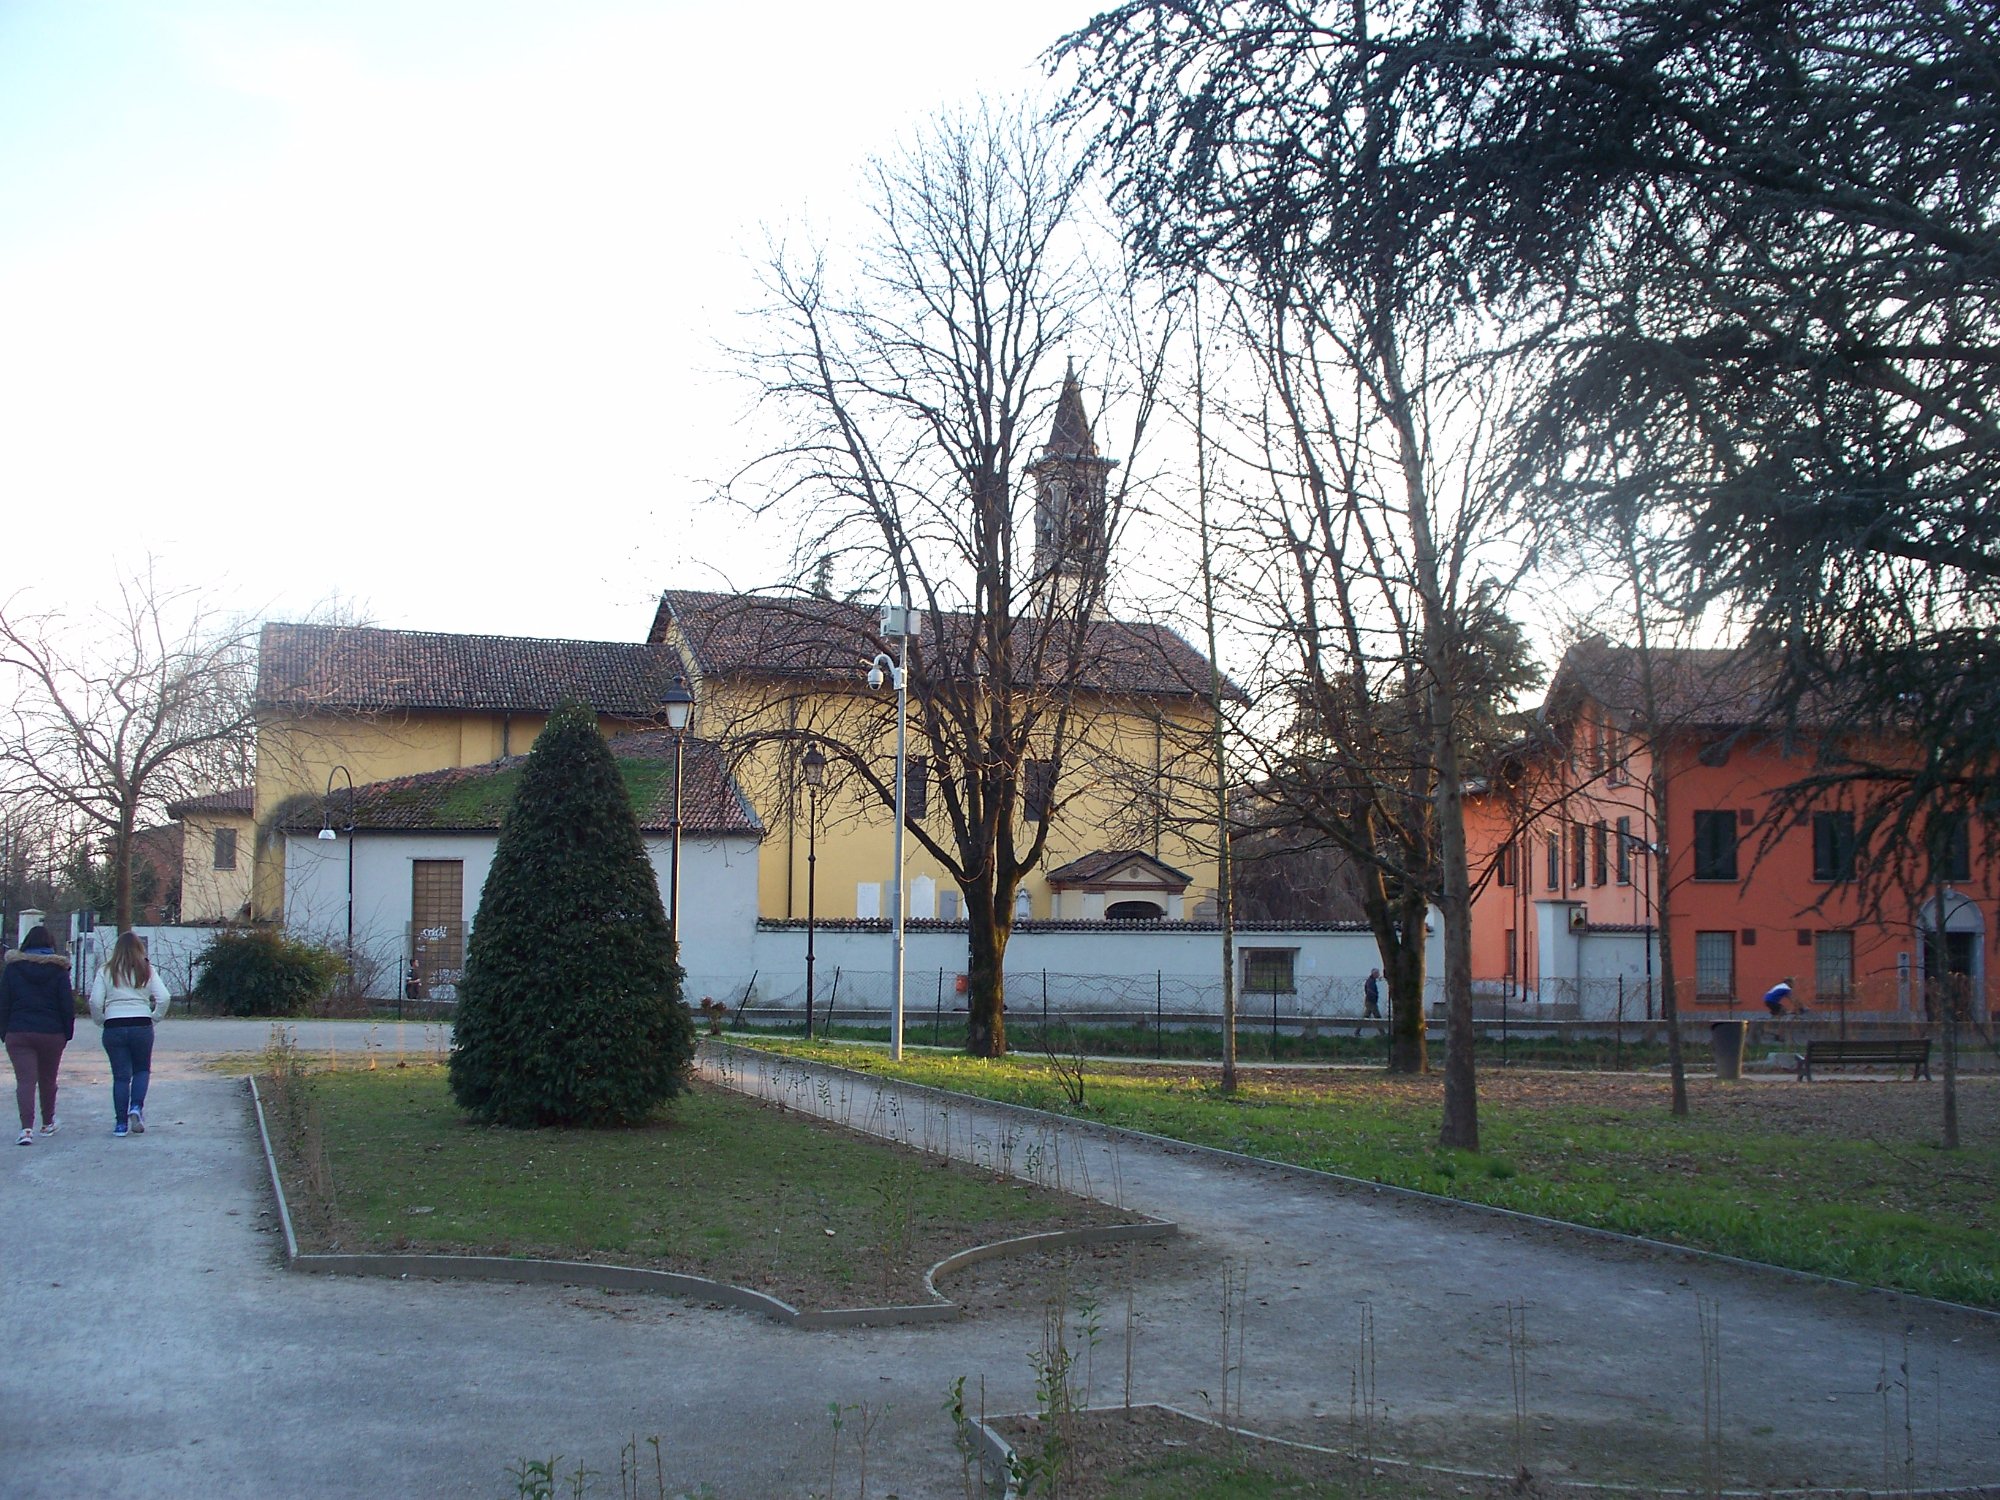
<point x="1207" y="118"/>
<point x="113" y="716"/>
<point x="1360" y="765"/>
<point x="912" y="396"/>
<point x="1659" y="689"/>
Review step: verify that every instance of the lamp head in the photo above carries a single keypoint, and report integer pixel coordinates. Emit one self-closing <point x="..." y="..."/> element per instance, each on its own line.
<point x="328" y="834"/>
<point x="814" y="763"/>
<point x="679" y="704"/>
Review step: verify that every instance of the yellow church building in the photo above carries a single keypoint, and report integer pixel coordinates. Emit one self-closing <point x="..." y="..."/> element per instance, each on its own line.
<point x="345" y="707"/>
<point x="1107" y="765"/>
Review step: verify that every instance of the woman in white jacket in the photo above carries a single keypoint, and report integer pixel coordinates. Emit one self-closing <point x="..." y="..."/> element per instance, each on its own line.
<point x="126" y="1000"/>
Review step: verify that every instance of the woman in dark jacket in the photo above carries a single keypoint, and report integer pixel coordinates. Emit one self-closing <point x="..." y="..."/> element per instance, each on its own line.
<point x="37" y="1018"/>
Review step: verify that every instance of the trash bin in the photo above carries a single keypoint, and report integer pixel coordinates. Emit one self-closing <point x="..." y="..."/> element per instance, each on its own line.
<point x="1726" y="1039"/>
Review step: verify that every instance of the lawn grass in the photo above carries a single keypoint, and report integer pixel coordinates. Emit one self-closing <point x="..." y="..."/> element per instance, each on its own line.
<point x="1150" y="1453"/>
<point x="718" y="1186"/>
<point x="1841" y="1179"/>
<point x="1325" y="1041"/>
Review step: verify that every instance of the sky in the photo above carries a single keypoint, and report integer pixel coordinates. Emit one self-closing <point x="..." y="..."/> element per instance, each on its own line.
<point x="418" y="309"/>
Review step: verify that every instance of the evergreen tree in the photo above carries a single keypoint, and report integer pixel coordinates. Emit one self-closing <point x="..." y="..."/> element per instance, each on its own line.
<point x="570" y="1012"/>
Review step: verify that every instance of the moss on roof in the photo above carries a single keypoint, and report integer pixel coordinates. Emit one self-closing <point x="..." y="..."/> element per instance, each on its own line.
<point x="468" y="798"/>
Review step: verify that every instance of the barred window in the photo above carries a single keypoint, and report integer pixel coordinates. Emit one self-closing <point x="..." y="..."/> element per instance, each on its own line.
<point x="1714" y="965"/>
<point x="1268" y="971"/>
<point x="1833" y="964"/>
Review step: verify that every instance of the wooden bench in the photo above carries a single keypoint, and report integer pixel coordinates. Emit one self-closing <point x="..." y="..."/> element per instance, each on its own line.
<point x="1915" y="1051"/>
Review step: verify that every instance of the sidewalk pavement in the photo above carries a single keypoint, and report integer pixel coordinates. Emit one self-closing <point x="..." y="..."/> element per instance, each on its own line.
<point x="176" y="1357"/>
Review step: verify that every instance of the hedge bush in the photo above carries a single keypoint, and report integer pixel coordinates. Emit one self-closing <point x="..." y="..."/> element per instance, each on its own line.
<point x="261" y="972"/>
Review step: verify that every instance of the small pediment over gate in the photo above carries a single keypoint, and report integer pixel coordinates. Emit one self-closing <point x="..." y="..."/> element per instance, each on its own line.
<point x="1118" y="870"/>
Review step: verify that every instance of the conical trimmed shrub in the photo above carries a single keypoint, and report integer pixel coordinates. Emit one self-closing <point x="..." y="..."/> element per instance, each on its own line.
<point x="570" y="1011"/>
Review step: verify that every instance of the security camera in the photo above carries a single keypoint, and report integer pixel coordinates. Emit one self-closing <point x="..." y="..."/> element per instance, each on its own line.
<point x="874" y="677"/>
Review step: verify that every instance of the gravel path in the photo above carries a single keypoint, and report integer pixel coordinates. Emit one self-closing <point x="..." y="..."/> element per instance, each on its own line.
<point x="162" y="1351"/>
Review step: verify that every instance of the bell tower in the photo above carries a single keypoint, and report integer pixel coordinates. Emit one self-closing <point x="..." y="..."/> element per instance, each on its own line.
<point x="1072" y="537"/>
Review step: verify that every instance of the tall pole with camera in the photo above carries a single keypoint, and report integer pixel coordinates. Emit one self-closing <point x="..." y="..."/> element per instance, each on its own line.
<point x="814" y="764"/>
<point x="679" y="703"/>
<point x="899" y="621"/>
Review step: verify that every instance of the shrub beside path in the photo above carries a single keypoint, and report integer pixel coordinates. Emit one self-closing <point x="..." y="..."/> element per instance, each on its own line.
<point x="181" y="1360"/>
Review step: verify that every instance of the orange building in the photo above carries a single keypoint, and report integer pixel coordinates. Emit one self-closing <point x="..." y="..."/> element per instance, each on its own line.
<point x="1758" y="888"/>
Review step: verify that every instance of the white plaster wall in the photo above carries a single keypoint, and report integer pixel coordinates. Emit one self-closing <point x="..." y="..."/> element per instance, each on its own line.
<point x="1616" y="955"/>
<point x="1602" y="974"/>
<point x="1559" y="946"/>
<point x="316" y="893"/>
<point x="726" y="955"/>
<point x="1115" y="966"/>
<point x="718" y="908"/>
<point x="172" y="951"/>
<point x="1615" y="982"/>
<point x="718" y="893"/>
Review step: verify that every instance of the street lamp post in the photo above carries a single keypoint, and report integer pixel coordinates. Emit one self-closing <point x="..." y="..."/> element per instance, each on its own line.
<point x="815" y="768"/>
<point x="326" y="832"/>
<point x="680" y="708"/>
<point x="1636" y="845"/>
<point x="900" y="621"/>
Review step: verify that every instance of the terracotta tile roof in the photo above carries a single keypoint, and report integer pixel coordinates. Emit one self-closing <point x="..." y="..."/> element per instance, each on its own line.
<point x="798" y="636"/>
<point x="1695" y="689"/>
<point x="361" y="668"/>
<point x="474" y="799"/>
<point x="1094" y="867"/>
<point x="240" y="799"/>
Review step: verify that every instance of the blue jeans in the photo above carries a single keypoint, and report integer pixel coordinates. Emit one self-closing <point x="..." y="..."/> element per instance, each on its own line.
<point x="130" y="1049"/>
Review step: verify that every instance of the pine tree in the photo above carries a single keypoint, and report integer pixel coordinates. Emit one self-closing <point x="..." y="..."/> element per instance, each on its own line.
<point x="570" y="1012"/>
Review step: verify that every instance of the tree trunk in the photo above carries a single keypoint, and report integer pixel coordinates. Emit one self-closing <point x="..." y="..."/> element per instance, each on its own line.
<point x="1670" y="1004"/>
<point x="987" y="931"/>
<point x="1951" y="1067"/>
<point x="1460" y="1129"/>
<point x="1398" y="926"/>
<point x="1403" y="973"/>
<point x="1943" y="987"/>
<point x="1660" y="788"/>
<point x="1226" y="897"/>
<point x="121" y="868"/>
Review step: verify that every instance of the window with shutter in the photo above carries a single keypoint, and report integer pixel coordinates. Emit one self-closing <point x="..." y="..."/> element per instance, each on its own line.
<point x="1038" y="785"/>
<point x="1833" y="845"/>
<point x="1715" y="845"/>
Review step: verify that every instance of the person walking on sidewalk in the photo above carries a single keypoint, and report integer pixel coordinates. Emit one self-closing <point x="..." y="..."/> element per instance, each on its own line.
<point x="37" y="1018"/>
<point x="127" y="999"/>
